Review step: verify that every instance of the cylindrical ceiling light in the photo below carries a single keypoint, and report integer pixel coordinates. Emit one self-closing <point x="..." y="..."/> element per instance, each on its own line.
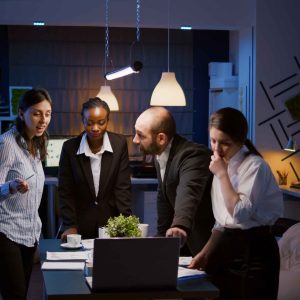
<point x="135" y="66"/>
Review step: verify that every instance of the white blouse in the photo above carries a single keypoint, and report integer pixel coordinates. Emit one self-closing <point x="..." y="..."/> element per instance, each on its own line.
<point x="261" y="201"/>
<point x="19" y="217"/>
<point x="95" y="159"/>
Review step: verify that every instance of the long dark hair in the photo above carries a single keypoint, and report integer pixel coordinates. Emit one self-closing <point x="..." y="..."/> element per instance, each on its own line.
<point x="232" y="122"/>
<point x="30" y="98"/>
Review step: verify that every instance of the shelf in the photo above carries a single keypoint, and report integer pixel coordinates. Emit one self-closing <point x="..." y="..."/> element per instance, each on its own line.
<point x="7" y="118"/>
<point x="290" y="191"/>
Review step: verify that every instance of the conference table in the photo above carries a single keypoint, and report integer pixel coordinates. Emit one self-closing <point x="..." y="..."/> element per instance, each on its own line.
<point x="64" y="285"/>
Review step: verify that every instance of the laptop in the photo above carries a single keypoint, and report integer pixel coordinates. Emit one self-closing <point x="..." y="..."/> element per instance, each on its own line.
<point x="133" y="264"/>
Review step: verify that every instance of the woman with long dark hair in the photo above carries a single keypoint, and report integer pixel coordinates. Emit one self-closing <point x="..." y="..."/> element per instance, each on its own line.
<point x="242" y="254"/>
<point x="22" y="149"/>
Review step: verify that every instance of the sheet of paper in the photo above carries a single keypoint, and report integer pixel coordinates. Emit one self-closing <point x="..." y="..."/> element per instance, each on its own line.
<point x="67" y="255"/>
<point x="89" y="281"/>
<point x="187" y="273"/>
<point x="50" y="265"/>
<point x="185" y="260"/>
<point x="88" y="244"/>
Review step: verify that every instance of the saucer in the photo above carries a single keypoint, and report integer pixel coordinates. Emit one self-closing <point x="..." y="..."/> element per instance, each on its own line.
<point x="68" y="246"/>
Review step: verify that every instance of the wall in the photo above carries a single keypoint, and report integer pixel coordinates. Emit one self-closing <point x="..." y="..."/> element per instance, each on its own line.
<point x="277" y="79"/>
<point x="4" y="59"/>
<point x="246" y="64"/>
<point x="204" y="14"/>
<point x="68" y="61"/>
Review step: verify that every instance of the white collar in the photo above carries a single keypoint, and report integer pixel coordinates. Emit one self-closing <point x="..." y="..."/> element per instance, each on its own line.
<point x="164" y="156"/>
<point x="237" y="159"/>
<point x="85" y="149"/>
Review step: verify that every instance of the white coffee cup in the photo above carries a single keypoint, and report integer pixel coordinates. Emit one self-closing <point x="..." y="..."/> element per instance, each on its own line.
<point x="102" y="233"/>
<point x="74" y="239"/>
<point x="144" y="229"/>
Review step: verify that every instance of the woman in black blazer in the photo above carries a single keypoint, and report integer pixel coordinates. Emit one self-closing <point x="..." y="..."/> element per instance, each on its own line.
<point x="94" y="174"/>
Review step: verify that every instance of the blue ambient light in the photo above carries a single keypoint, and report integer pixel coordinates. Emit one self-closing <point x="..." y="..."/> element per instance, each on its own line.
<point x="38" y="23"/>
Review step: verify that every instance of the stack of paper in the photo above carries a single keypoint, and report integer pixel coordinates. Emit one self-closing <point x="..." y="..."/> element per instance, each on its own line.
<point x="62" y="265"/>
<point x="67" y="255"/>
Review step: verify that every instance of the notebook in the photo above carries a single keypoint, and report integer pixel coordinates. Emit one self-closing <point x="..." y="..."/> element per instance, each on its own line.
<point x="132" y="264"/>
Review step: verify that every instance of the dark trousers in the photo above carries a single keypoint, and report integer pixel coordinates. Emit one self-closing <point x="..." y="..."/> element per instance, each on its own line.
<point x="15" y="268"/>
<point x="246" y="265"/>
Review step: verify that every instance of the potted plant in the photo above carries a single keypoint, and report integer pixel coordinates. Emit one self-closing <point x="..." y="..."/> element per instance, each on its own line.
<point x="122" y="226"/>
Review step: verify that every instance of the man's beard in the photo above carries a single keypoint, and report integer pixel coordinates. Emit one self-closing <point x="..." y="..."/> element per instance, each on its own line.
<point x="153" y="148"/>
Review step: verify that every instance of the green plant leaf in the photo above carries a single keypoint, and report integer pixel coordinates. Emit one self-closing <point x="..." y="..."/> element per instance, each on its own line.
<point x="122" y="226"/>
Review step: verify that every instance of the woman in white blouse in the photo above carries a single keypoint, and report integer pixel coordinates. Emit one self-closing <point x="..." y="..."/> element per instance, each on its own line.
<point x="22" y="149"/>
<point x="242" y="254"/>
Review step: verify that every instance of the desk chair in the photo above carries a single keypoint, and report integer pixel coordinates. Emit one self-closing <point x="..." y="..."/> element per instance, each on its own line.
<point x="289" y="277"/>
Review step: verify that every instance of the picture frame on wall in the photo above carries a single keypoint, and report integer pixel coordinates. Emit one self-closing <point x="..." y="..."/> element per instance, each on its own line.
<point x="15" y="92"/>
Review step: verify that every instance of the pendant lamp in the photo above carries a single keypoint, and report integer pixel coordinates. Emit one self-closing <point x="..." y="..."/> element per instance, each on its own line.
<point x="168" y="91"/>
<point x="105" y="92"/>
<point x="108" y="96"/>
<point x="135" y="66"/>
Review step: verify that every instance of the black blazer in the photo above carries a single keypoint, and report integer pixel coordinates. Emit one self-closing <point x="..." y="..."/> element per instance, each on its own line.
<point x="79" y="206"/>
<point x="184" y="195"/>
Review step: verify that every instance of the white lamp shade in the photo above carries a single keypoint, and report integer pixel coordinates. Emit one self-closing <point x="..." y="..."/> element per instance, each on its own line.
<point x="168" y="92"/>
<point x="108" y="96"/>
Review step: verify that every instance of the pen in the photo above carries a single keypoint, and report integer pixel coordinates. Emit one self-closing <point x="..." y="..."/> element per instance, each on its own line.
<point x="29" y="177"/>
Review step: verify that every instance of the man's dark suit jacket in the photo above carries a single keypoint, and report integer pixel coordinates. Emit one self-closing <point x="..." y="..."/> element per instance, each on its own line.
<point x="79" y="206"/>
<point x="184" y="195"/>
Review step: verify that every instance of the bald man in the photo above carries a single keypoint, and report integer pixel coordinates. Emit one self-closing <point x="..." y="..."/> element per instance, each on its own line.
<point x="184" y="180"/>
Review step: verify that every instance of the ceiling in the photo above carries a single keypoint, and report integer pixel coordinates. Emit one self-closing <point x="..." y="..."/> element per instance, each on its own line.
<point x="200" y="14"/>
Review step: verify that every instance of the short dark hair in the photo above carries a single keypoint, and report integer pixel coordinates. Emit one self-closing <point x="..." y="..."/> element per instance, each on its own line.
<point x="93" y="103"/>
<point x="166" y="124"/>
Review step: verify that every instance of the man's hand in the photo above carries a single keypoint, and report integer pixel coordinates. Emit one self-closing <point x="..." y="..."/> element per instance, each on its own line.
<point x="71" y="230"/>
<point x="177" y="232"/>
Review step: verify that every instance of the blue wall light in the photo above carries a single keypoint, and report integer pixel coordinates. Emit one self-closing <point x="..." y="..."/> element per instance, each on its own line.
<point x="38" y="23"/>
<point x="186" y="27"/>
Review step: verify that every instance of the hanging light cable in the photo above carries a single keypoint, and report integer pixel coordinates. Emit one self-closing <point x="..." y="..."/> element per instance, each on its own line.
<point x="105" y="92"/>
<point x="135" y="65"/>
<point x="168" y="92"/>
